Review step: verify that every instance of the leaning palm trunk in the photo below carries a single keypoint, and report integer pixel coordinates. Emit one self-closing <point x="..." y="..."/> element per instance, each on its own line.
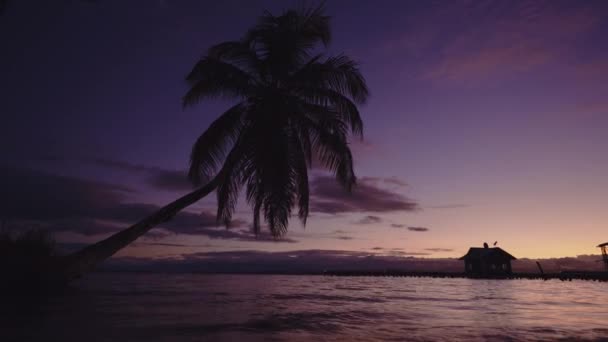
<point x="86" y="259"/>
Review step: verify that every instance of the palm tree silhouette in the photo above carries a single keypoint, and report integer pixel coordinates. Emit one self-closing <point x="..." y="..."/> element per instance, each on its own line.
<point x="293" y="108"/>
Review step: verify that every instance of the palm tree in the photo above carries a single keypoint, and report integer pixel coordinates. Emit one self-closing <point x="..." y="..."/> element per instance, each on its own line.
<point x="292" y="107"/>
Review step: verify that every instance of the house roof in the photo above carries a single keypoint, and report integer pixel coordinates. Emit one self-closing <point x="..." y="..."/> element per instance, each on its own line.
<point x="478" y="253"/>
<point x="603" y="244"/>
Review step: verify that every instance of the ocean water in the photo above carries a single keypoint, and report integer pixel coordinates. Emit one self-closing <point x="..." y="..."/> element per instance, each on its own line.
<point x="186" y="307"/>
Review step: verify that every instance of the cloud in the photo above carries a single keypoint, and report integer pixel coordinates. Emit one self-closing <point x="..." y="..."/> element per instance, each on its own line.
<point x="413" y="229"/>
<point x="164" y="244"/>
<point x="589" y="109"/>
<point x="439" y="249"/>
<point x="159" y="178"/>
<point x="368" y="195"/>
<point x="382" y="181"/>
<point x="403" y="253"/>
<point x="377" y="248"/>
<point x="592" y="70"/>
<point x="66" y="204"/>
<point x="330" y="198"/>
<point x="450" y="206"/>
<point x="493" y="39"/>
<point x="36" y="195"/>
<point x="395" y="181"/>
<point x="241" y="235"/>
<point x="369" y="219"/>
<point x="487" y="61"/>
<point x="344" y="237"/>
<point x="171" y="180"/>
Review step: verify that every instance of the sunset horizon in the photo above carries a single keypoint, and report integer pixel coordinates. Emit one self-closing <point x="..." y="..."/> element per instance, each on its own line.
<point x="276" y="170"/>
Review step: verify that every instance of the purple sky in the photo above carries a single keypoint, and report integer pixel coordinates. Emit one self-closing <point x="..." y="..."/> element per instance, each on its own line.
<point x="487" y="122"/>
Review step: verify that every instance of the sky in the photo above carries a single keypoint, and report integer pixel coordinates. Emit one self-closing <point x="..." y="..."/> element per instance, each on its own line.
<point x="487" y="122"/>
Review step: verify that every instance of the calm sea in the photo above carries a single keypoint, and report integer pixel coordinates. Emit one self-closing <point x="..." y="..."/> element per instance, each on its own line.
<point x="183" y="307"/>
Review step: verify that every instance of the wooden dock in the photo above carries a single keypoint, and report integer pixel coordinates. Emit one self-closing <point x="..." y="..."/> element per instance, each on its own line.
<point x="563" y="276"/>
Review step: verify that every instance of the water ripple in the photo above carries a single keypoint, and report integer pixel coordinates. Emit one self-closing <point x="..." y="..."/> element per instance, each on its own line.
<point x="140" y="307"/>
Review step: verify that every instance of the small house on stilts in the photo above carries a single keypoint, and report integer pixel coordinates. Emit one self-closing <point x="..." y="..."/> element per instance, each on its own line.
<point x="487" y="261"/>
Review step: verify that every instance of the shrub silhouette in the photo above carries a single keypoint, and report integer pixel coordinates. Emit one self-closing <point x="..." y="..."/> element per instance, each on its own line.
<point x="26" y="259"/>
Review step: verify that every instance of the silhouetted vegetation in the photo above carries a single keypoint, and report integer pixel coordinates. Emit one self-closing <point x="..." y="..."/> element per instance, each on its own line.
<point x="26" y="259"/>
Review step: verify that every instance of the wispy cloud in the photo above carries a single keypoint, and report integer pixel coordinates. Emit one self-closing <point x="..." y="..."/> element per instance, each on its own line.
<point x="495" y="38"/>
<point x="592" y="70"/>
<point x="418" y="229"/>
<point x="165" y="244"/>
<point x="439" y="249"/>
<point x="157" y="177"/>
<point x="590" y="109"/>
<point x="404" y="253"/>
<point x="330" y="198"/>
<point x="450" y="206"/>
<point x="383" y="181"/>
<point x="410" y="228"/>
<point x="369" y="219"/>
<point x="92" y="208"/>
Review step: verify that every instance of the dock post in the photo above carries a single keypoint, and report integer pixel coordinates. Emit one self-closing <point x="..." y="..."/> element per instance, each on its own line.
<point x="540" y="268"/>
<point x="604" y="248"/>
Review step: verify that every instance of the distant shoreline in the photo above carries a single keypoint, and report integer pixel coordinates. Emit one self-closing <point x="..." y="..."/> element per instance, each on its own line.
<point x="564" y="275"/>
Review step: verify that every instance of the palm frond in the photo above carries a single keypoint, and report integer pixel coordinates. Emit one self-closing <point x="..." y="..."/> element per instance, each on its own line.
<point x="212" y="77"/>
<point x="300" y="169"/>
<point x="339" y="73"/>
<point x="331" y="148"/>
<point x="232" y="177"/>
<point x="315" y="24"/>
<point x="285" y="41"/>
<point x="256" y="216"/>
<point x="210" y="148"/>
<point x="240" y="53"/>
<point x="320" y="101"/>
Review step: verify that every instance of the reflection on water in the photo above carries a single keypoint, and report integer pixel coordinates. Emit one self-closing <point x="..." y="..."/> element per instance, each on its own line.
<point x="158" y="307"/>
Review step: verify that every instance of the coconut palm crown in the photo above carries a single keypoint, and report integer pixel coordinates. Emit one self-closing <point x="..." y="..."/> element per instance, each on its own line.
<point x="294" y="106"/>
